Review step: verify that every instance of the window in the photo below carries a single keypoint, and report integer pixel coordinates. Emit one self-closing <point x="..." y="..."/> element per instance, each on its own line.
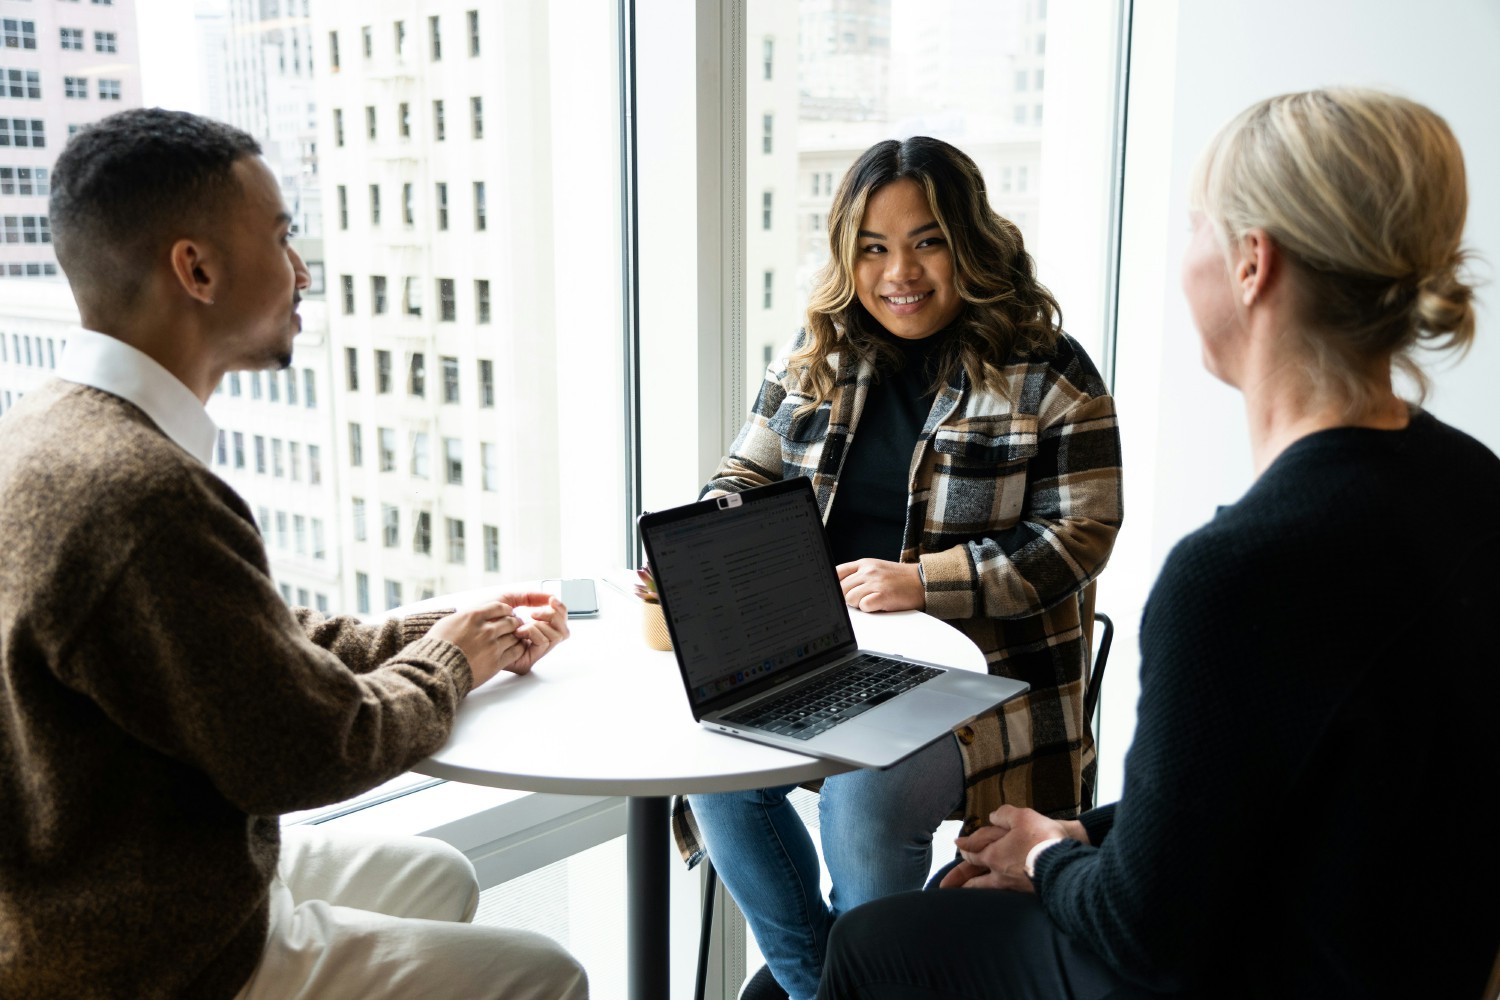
<point x="281" y="532"/>
<point x="255" y="385"/>
<point x="338" y="126"/>
<point x="476" y="117"/>
<point x="455" y="541"/>
<point x="377" y="294"/>
<point x="367" y="39"/>
<point x="357" y="518"/>
<point x="434" y="38"/>
<point x="221" y="448"/>
<point x="390" y="523"/>
<point x="480" y="222"/>
<point x="260" y="454"/>
<point x="273" y="387"/>
<point x="403" y="119"/>
<point x="450" y="380"/>
<point x="419" y="452"/>
<point x="291" y="386"/>
<point x="421" y="538"/>
<point x="343" y="205"/>
<point x="481" y="301"/>
<point x="439" y="129"/>
<point x="453" y="458"/>
<point x="104" y="41"/>
<point x="72" y="39"/>
<point x="299" y="534"/>
<point x="109" y="90"/>
<point x="765" y="210"/>
<point x="23" y="132"/>
<point x="333" y="50"/>
<point x="392" y="594"/>
<point x="486" y="384"/>
<point x="767" y="123"/>
<point x="491" y="549"/>
<point x="370" y="131"/>
<point x="356" y="446"/>
<point x="1022" y="78"/>
<point x="400" y="27"/>
<point x="387" y="449"/>
<point x="362" y="592"/>
<point x="408" y="212"/>
<point x="22" y="34"/>
<point x="767" y="57"/>
<point x="767" y="282"/>
<point x="382" y="371"/>
<point x="447" y="302"/>
<point x="25" y="181"/>
<point x="239" y="450"/>
<point x="375" y="204"/>
<point x="442" y="205"/>
<point x="346" y="282"/>
<point x="413" y="297"/>
<point x="473" y="33"/>
<point x="314" y="465"/>
<point x="278" y="465"/>
<point x="25" y="84"/>
<point x="416" y="379"/>
<point x="294" y="461"/>
<point x="489" y="467"/>
<point x="351" y="369"/>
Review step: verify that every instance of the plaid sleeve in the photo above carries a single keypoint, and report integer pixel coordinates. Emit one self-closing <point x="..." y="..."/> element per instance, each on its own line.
<point x="1007" y="564"/>
<point x="754" y="458"/>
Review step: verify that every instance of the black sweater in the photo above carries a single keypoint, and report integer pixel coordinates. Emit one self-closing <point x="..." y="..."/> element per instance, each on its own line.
<point x="1314" y="764"/>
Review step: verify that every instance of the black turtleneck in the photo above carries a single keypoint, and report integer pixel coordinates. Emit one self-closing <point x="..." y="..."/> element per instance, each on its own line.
<point x="868" y="517"/>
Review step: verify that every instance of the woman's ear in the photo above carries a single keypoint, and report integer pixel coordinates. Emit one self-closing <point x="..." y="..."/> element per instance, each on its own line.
<point x="1256" y="266"/>
<point x="194" y="269"/>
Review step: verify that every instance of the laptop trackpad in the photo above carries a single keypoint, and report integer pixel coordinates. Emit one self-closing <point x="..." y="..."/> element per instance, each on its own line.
<point x="921" y="713"/>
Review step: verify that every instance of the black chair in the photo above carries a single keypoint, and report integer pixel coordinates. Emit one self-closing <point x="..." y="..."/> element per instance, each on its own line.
<point x="1090" y="710"/>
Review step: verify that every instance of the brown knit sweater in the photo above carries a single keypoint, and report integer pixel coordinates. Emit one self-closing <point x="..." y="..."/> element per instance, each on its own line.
<point x="160" y="706"/>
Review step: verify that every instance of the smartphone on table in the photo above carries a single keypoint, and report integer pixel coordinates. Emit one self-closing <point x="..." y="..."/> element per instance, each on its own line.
<point x="578" y="594"/>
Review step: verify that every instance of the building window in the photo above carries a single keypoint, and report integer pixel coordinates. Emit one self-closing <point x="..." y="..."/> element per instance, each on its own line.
<point x="370" y="131"/>
<point x="221" y="449"/>
<point x="390" y="523"/>
<point x="403" y="119"/>
<point x="374" y="204"/>
<point x="482" y="301"/>
<point x="22" y="35"/>
<point x="278" y="464"/>
<point x="486" y="384"/>
<point x="24" y="181"/>
<point x="23" y="132"/>
<point x="416" y="375"/>
<point x="439" y="127"/>
<point x="338" y="126"/>
<point x="314" y="464"/>
<point x="291" y="386"/>
<point x="450" y="380"/>
<point x="442" y="205"/>
<point x="476" y="117"/>
<point x="333" y="50"/>
<point x="382" y="371"/>
<point x="104" y="41"/>
<point x="767" y="284"/>
<point x="299" y="534"/>
<point x="473" y="33"/>
<point x="367" y="38"/>
<point x="351" y="369"/>
<point x="72" y="39"/>
<point x="294" y="461"/>
<point x="255" y="385"/>
<point x="392" y="594"/>
<point x="447" y="300"/>
<point x="281" y="536"/>
<point x="421" y="538"/>
<point x="408" y="209"/>
<point x="319" y="550"/>
<point x="357" y="518"/>
<point x="343" y="206"/>
<point x="309" y="389"/>
<point x="413" y="297"/>
<point x="765" y="210"/>
<point x="377" y="294"/>
<point x="489" y="469"/>
<point x="767" y="57"/>
<point x="387" y="449"/>
<point x="453" y="458"/>
<point x="362" y="592"/>
<point x="491" y="549"/>
<point x="767" y="124"/>
<point x="434" y="38"/>
<point x="260" y="455"/>
<point x="239" y="450"/>
<point x="76" y="87"/>
<point x="346" y="281"/>
<point x="455" y="541"/>
<point x="419" y="453"/>
<point x="109" y="90"/>
<point x="480" y="215"/>
<point x="356" y="446"/>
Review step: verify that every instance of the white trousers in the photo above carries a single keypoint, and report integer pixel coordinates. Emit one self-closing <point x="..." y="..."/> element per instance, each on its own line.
<point x="357" y="917"/>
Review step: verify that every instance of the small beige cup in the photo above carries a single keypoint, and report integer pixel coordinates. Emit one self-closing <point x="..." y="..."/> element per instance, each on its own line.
<point x="654" y="626"/>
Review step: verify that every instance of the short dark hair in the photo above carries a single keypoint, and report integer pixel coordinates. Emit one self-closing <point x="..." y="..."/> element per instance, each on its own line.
<point x="128" y="185"/>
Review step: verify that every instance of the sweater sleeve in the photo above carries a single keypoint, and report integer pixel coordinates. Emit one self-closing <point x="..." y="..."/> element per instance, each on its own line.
<point x="1066" y="528"/>
<point x="222" y="677"/>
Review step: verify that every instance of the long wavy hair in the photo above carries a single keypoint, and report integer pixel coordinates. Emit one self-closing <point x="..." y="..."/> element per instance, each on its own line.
<point x="1006" y="312"/>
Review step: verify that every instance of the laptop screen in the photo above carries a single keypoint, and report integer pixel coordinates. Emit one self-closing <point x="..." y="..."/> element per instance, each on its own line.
<point x="749" y="587"/>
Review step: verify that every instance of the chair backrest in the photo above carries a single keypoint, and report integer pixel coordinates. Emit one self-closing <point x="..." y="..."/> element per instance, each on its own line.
<point x="1096" y="672"/>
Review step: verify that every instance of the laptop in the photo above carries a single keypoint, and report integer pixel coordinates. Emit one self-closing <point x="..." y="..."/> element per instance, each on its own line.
<point x="765" y="645"/>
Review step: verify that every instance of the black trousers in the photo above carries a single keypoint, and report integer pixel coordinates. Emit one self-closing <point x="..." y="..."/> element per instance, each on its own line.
<point x="961" y="944"/>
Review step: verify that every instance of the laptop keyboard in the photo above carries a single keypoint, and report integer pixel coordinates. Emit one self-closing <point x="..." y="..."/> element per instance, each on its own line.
<point x="834" y="698"/>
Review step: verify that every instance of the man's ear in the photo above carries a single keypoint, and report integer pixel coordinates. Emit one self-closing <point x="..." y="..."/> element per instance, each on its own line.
<point x="195" y="269"/>
<point x="1257" y="266"/>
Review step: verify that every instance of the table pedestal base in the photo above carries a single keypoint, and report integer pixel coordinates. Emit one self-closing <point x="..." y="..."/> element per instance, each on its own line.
<point x="648" y="905"/>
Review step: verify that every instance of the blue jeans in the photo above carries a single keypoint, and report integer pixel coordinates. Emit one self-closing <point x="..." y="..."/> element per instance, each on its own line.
<point x="877" y="839"/>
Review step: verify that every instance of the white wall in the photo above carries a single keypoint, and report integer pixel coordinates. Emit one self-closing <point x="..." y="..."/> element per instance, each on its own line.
<point x="1194" y="65"/>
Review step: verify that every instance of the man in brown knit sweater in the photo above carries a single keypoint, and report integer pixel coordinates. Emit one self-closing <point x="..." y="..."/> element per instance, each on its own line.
<point x="160" y="704"/>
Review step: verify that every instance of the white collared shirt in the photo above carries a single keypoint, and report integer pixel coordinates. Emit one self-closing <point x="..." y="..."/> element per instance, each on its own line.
<point x="104" y="362"/>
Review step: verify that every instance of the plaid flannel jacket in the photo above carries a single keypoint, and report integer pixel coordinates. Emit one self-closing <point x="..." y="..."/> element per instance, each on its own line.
<point x="1013" y="507"/>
